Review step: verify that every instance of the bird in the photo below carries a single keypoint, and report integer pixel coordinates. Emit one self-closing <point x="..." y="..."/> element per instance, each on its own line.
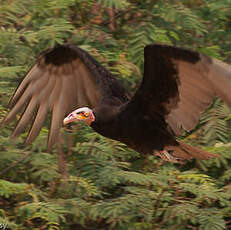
<point x="177" y="86"/>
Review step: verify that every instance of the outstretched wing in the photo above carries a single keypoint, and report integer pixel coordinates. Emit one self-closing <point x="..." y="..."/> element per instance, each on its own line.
<point x="179" y="84"/>
<point x="63" y="79"/>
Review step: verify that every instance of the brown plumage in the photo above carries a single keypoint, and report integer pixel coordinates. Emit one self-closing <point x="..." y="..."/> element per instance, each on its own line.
<point x="177" y="86"/>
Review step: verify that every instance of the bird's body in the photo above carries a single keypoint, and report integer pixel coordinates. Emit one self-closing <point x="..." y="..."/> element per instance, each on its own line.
<point x="177" y="86"/>
<point x="141" y="132"/>
<point x="146" y="134"/>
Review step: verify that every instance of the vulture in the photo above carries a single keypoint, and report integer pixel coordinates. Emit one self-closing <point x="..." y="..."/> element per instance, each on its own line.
<point x="177" y="86"/>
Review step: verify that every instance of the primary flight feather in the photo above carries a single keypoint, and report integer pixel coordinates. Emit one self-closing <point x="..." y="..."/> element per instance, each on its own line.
<point x="177" y="86"/>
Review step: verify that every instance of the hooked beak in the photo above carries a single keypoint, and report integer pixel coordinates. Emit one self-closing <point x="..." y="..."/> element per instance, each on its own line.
<point x="70" y="118"/>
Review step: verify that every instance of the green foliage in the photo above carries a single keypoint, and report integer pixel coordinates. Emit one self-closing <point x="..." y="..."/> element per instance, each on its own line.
<point x="50" y="215"/>
<point x="93" y="182"/>
<point x="216" y="129"/>
<point x="117" y="4"/>
<point x="7" y="188"/>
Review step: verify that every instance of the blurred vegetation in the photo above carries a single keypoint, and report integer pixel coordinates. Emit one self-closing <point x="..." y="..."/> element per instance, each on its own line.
<point x="91" y="182"/>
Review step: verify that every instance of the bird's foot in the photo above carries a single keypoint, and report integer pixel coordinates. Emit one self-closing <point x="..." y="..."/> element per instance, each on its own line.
<point x="166" y="156"/>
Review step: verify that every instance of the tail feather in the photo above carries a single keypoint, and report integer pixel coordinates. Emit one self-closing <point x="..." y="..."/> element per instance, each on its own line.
<point x="186" y="152"/>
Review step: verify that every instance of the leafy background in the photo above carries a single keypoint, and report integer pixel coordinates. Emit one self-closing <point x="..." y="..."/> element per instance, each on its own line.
<point x="91" y="182"/>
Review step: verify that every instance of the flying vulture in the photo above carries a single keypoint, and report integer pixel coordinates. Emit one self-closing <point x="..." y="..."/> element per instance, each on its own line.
<point x="178" y="84"/>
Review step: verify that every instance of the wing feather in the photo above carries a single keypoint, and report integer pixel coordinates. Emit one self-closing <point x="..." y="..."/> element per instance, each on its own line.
<point x="44" y="105"/>
<point x="58" y="112"/>
<point x="63" y="79"/>
<point x="32" y="75"/>
<point x="180" y="84"/>
<point x="81" y="94"/>
<point x="38" y="123"/>
<point x="38" y="88"/>
<point x="87" y="86"/>
<point x="201" y="82"/>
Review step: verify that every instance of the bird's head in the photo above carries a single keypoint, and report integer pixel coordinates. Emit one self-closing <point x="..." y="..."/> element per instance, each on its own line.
<point x="82" y="114"/>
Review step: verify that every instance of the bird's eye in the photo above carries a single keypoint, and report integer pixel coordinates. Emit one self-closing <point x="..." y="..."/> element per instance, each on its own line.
<point x="83" y="114"/>
<point x="86" y="114"/>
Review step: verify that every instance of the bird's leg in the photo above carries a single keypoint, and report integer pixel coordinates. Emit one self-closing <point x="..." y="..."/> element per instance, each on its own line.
<point x="165" y="155"/>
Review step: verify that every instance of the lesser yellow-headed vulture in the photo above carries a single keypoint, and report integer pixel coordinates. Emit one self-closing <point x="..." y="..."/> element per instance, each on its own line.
<point x="177" y="86"/>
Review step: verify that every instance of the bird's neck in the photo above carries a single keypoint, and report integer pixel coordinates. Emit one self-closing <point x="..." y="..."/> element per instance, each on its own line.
<point x="105" y="113"/>
<point x="106" y="121"/>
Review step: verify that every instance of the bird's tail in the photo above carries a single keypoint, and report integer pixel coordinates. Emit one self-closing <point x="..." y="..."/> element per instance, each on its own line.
<point x="182" y="151"/>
